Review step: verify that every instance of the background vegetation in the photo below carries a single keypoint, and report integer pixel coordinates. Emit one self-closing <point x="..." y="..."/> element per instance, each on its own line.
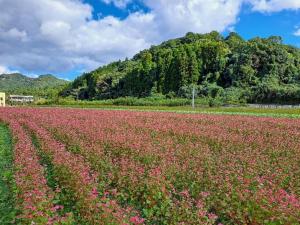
<point x="46" y="86"/>
<point x="229" y="69"/>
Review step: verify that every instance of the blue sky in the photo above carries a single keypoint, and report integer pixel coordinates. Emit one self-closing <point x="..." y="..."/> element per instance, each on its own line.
<point x="69" y="37"/>
<point x="283" y="23"/>
<point x="250" y="23"/>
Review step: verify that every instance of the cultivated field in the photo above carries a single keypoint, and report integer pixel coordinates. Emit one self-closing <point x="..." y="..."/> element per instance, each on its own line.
<point x="73" y="166"/>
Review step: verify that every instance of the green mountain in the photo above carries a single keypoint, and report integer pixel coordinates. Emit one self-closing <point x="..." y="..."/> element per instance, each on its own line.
<point x="20" y="84"/>
<point x="231" y="68"/>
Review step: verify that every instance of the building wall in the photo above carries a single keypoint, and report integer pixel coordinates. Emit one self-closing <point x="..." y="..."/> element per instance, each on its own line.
<point x="2" y="99"/>
<point x="20" y="99"/>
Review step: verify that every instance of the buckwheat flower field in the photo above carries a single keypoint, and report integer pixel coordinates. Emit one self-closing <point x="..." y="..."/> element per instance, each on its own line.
<point x="74" y="166"/>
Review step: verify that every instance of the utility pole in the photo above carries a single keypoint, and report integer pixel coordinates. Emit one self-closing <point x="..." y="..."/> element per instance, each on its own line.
<point x="193" y="100"/>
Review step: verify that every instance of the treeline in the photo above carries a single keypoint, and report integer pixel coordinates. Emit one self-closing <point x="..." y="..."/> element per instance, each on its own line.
<point x="228" y="68"/>
<point x="51" y="93"/>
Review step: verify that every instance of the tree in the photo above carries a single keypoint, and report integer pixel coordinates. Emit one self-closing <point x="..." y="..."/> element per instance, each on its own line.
<point x="205" y="60"/>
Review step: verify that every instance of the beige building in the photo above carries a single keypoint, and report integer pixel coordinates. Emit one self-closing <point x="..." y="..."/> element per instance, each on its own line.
<point x="20" y="99"/>
<point x="2" y="99"/>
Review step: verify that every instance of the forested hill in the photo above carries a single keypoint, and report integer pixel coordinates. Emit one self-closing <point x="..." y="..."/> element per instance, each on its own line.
<point x="258" y="70"/>
<point x="20" y="84"/>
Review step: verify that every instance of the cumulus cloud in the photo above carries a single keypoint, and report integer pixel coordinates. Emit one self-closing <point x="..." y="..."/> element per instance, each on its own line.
<point x="62" y="35"/>
<point x="297" y="33"/>
<point x="5" y="70"/>
<point x="274" y="5"/>
<point x="176" y="17"/>
<point x="118" y="3"/>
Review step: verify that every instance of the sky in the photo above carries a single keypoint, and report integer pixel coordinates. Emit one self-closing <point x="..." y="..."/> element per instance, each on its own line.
<point x="69" y="37"/>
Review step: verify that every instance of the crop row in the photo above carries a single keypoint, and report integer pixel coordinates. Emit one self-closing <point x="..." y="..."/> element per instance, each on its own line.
<point x="75" y="185"/>
<point x="165" y="168"/>
<point x="34" y="199"/>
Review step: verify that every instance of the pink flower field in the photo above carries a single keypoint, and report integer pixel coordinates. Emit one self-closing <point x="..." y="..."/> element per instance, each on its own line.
<point x="75" y="166"/>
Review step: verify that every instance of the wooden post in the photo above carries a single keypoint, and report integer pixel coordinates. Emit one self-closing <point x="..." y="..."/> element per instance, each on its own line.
<point x="193" y="100"/>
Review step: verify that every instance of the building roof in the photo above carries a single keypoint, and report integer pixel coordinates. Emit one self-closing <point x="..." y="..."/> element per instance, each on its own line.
<point x="20" y="96"/>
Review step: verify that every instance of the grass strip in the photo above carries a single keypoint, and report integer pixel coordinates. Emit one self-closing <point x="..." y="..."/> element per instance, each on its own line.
<point x="293" y="113"/>
<point x="7" y="184"/>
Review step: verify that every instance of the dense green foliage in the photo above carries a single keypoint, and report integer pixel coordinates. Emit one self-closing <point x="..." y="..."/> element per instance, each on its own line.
<point x="176" y="105"/>
<point x="233" y="69"/>
<point x="43" y="86"/>
<point x="7" y="186"/>
<point x="126" y="101"/>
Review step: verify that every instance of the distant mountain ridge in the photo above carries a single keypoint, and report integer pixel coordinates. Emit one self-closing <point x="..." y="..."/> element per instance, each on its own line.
<point x="17" y="83"/>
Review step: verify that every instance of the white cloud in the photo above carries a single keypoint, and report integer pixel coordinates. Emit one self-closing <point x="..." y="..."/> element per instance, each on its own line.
<point x="118" y="3"/>
<point x="62" y="78"/>
<point x="297" y="33"/>
<point x="61" y="35"/>
<point x="274" y="5"/>
<point x="176" y="17"/>
<point x="16" y="34"/>
<point x="5" y="70"/>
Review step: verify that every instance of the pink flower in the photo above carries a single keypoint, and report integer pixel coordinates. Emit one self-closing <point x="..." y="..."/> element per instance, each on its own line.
<point x="185" y="193"/>
<point x="212" y="216"/>
<point x="205" y="194"/>
<point x="56" y="208"/>
<point x="95" y="193"/>
<point x="137" y="220"/>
